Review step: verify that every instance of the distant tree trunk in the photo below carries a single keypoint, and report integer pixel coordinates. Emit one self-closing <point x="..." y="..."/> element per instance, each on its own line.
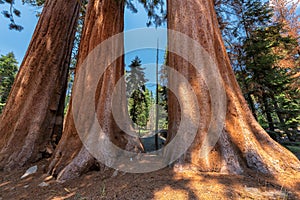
<point x="243" y="143"/>
<point x="269" y="116"/>
<point x="33" y="116"/>
<point x="104" y="19"/>
<point x="277" y="110"/>
<point x="251" y="103"/>
<point x="268" y="113"/>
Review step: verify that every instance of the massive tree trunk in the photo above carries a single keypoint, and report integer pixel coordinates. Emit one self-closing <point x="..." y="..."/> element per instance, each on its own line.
<point x="33" y="116"/>
<point x="242" y="143"/>
<point x="104" y="19"/>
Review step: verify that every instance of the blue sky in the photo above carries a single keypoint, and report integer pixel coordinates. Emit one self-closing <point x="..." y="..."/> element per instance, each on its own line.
<point x="17" y="42"/>
<point x="148" y="56"/>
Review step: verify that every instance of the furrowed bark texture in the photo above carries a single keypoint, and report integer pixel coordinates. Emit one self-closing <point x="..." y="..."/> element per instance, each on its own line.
<point x="243" y="144"/>
<point x="103" y="20"/>
<point x="33" y="116"/>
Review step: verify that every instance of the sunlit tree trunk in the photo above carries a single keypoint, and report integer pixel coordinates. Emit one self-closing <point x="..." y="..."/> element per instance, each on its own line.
<point x="242" y="144"/>
<point x="104" y="19"/>
<point x="33" y="116"/>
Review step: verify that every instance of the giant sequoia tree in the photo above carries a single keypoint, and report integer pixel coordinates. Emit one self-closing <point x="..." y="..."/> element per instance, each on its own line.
<point x="242" y="143"/>
<point x="32" y="119"/>
<point x="103" y="20"/>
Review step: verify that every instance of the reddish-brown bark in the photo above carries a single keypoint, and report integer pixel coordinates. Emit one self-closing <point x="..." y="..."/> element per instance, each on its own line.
<point x="33" y="116"/>
<point x="103" y="20"/>
<point x="243" y="144"/>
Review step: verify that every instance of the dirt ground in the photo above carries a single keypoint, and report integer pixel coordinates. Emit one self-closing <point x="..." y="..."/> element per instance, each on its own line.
<point x="163" y="184"/>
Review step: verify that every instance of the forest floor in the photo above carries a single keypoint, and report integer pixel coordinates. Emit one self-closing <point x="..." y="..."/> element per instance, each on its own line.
<point x="163" y="184"/>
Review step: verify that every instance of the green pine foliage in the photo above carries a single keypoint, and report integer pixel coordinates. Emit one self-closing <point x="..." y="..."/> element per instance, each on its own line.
<point x="270" y="83"/>
<point x="155" y="9"/>
<point x="257" y="46"/>
<point x="137" y="94"/>
<point x="8" y="71"/>
<point x="163" y="103"/>
<point x="163" y="96"/>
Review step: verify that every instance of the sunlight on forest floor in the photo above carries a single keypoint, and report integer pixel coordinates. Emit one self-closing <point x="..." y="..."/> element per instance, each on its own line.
<point x="163" y="184"/>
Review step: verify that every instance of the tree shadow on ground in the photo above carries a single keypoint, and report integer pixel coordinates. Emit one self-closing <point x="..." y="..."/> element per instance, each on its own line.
<point x="167" y="184"/>
<point x="162" y="184"/>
